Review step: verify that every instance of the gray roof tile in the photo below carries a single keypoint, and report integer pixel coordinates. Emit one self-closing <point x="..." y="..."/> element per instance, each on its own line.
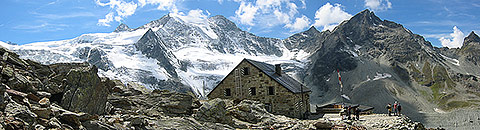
<point x="285" y="80"/>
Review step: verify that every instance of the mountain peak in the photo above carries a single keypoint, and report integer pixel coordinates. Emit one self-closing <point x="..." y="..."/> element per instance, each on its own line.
<point x="472" y="37"/>
<point x="366" y="17"/>
<point x="312" y="28"/>
<point x="122" y="27"/>
<point x="224" y="23"/>
<point x="366" y="11"/>
<point x="157" y="23"/>
<point x="219" y="17"/>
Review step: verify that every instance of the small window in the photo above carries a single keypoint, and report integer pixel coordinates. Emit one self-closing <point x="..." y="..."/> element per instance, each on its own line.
<point x="271" y="91"/>
<point x="260" y="75"/>
<point x="268" y="107"/>
<point x="227" y="92"/>
<point x="253" y="91"/>
<point x="246" y="71"/>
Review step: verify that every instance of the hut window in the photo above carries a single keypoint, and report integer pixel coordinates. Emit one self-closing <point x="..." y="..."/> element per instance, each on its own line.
<point x="227" y="92"/>
<point x="271" y="91"/>
<point x="246" y="71"/>
<point x="260" y="75"/>
<point x="253" y="91"/>
<point x="268" y="107"/>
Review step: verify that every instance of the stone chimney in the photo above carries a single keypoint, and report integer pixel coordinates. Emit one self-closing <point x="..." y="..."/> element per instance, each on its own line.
<point x="278" y="69"/>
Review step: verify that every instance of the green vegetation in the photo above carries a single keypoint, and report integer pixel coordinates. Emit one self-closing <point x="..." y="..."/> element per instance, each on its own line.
<point x="414" y="72"/>
<point x="457" y="104"/>
<point x="475" y="93"/>
<point x="436" y="88"/>
<point x="427" y="72"/>
<point x="474" y="101"/>
<point x="440" y="74"/>
<point x="424" y="93"/>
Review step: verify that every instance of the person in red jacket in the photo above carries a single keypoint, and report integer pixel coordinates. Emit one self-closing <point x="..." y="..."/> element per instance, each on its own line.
<point x="395" y="110"/>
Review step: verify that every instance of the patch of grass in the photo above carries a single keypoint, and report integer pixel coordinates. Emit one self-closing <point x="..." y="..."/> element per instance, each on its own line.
<point x="436" y="91"/>
<point x="457" y="104"/>
<point x="427" y="71"/>
<point x="414" y="72"/>
<point x="440" y="74"/>
<point x="474" y="101"/>
<point x="424" y="93"/>
<point x="475" y="93"/>
<point x="444" y="98"/>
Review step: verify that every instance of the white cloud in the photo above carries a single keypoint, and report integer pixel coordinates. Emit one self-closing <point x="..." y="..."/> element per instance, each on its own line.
<point x="124" y="9"/>
<point x="41" y="26"/>
<point x="246" y="13"/>
<point x="299" y="24"/>
<point x="193" y="16"/>
<point x="166" y="5"/>
<point x="64" y="16"/>
<point x="329" y="16"/>
<point x="105" y="22"/>
<point x="455" y="40"/>
<point x="269" y="13"/>
<point x="378" y="5"/>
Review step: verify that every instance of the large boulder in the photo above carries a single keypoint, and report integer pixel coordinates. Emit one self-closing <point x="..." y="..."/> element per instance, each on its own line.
<point x="249" y="111"/>
<point x="16" y="110"/>
<point x="214" y="111"/>
<point x="173" y="102"/>
<point x="85" y="91"/>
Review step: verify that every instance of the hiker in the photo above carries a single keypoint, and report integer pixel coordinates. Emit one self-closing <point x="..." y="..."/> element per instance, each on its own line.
<point x="357" y="113"/>
<point x="395" y="108"/>
<point x="399" y="107"/>
<point x="389" y="109"/>
<point x="349" y="112"/>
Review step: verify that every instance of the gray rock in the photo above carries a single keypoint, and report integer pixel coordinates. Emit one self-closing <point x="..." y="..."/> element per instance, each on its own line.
<point x="13" y="109"/>
<point x="85" y="91"/>
<point x="323" y="125"/>
<point x="44" y="102"/>
<point x="122" y="27"/>
<point x="97" y="125"/>
<point x="138" y="121"/>
<point x="54" y="123"/>
<point x="98" y="58"/>
<point x="214" y="111"/>
<point x="43" y="94"/>
<point x="249" y="111"/>
<point x="42" y="112"/>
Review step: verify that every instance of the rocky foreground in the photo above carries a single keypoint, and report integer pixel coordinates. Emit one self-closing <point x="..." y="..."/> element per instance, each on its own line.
<point x="72" y="96"/>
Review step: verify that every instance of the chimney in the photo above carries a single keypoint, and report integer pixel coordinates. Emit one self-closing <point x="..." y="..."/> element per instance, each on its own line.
<point x="278" y="69"/>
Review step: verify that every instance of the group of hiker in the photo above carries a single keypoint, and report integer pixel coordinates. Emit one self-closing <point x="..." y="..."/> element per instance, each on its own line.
<point x="396" y="109"/>
<point x="350" y="113"/>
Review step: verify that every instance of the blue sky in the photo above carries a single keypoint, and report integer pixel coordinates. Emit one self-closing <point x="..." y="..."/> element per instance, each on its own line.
<point x="442" y="22"/>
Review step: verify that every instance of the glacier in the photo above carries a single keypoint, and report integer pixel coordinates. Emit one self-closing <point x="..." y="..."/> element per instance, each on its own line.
<point x="200" y="53"/>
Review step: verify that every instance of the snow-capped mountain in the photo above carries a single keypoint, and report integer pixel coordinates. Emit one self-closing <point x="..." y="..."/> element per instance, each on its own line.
<point x="173" y="52"/>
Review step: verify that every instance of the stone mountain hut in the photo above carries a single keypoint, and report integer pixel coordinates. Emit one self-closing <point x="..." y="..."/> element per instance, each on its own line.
<point x="266" y="83"/>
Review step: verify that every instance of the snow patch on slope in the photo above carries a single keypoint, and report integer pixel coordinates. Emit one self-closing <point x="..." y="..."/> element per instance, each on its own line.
<point x="451" y="60"/>
<point x="378" y="76"/>
<point x="382" y="76"/>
